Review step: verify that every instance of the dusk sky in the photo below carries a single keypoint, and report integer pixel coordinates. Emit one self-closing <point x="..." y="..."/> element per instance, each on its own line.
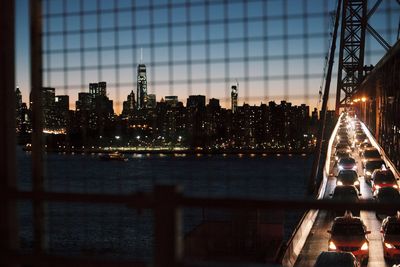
<point x="268" y="55"/>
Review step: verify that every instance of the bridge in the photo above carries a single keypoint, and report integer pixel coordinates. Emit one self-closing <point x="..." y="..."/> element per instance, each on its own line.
<point x="371" y="92"/>
<point x="373" y="101"/>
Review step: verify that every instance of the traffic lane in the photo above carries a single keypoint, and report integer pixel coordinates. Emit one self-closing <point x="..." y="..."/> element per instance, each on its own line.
<point x="371" y="222"/>
<point x="317" y="240"/>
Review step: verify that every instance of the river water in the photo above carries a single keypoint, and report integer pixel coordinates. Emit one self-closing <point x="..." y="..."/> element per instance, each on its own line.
<point x="120" y="230"/>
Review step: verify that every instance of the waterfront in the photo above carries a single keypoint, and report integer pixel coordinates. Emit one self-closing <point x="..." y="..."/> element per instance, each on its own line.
<point x="115" y="229"/>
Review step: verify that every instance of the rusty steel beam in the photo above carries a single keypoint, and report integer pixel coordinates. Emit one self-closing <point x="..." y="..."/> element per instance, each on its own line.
<point x="149" y="201"/>
<point x="351" y="52"/>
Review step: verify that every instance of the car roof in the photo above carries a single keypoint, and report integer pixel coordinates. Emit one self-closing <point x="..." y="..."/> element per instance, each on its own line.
<point x="333" y="259"/>
<point x="383" y="172"/>
<point x="348" y="218"/>
<point x="346" y="171"/>
<point x="345" y="188"/>
<point x="374" y="161"/>
<point x="370" y="149"/>
<point x="348" y="159"/>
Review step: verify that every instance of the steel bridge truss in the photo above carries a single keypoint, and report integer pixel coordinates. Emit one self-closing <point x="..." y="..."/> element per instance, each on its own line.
<point x="351" y="53"/>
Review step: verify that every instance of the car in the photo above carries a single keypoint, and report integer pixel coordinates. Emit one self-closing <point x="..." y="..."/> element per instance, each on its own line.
<point x="386" y="195"/>
<point x="343" y="146"/>
<point x="364" y="146"/>
<point x="370" y="153"/>
<point x="383" y="178"/>
<point x="349" y="234"/>
<point x="360" y="138"/>
<point x="345" y="193"/>
<point x="343" y="141"/>
<point x="347" y="163"/>
<point x="370" y="166"/>
<point x="336" y="258"/>
<point x="348" y="177"/>
<point x="390" y="230"/>
<point x="343" y="131"/>
<point x="342" y="153"/>
<point x="359" y="130"/>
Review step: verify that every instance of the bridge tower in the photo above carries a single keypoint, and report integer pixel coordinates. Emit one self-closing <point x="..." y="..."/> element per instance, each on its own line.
<point x="351" y="51"/>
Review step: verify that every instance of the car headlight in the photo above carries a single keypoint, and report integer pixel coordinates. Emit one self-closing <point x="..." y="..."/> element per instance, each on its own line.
<point x="395" y="186"/>
<point x="339" y="183"/>
<point x="356" y="183"/>
<point x="340" y="167"/>
<point x="368" y="173"/>
<point x="388" y="245"/>
<point x="377" y="186"/>
<point x="354" y="167"/>
<point x="332" y="245"/>
<point x="336" y="157"/>
<point x="348" y="150"/>
<point x="364" y="246"/>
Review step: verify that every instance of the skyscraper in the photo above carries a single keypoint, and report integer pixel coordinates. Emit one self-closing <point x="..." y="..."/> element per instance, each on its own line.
<point x="196" y="101"/>
<point x="171" y="100"/>
<point x="129" y="105"/>
<point x="18" y="108"/>
<point x="84" y="102"/>
<point x="98" y="89"/>
<point x="151" y="101"/>
<point x="141" y="92"/>
<point x="234" y="97"/>
<point x="61" y="110"/>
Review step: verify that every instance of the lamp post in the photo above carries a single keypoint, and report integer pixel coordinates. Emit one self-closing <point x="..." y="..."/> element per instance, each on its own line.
<point x="364" y="107"/>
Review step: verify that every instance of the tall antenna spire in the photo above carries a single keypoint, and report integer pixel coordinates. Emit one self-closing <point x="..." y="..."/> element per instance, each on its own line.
<point x="141" y="55"/>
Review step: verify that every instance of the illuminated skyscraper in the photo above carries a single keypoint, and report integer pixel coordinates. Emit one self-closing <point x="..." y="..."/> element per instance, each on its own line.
<point x="141" y="93"/>
<point x="98" y="89"/>
<point x="234" y="97"/>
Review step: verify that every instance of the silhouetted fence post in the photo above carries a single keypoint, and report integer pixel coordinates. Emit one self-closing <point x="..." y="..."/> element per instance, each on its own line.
<point x="8" y="183"/>
<point x="168" y="247"/>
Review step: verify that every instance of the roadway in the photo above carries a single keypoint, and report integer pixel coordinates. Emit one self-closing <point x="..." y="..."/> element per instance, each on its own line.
<point x="317" y="240"/>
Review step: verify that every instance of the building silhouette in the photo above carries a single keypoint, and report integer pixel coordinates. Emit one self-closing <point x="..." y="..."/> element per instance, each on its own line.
<point x="144" y="122"/>
<point x="234" y="97"/>
<point x="141" y="92"/>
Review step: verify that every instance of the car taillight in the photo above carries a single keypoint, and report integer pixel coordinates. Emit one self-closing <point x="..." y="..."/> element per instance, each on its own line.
<point x="389" y="246"/>
<point x="332" y="245"/>
<point x="364" y="246"/>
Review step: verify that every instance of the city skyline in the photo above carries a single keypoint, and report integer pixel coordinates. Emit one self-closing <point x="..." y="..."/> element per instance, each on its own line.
<point x="93" y="89"/>
<point x="167" y="124"/>
<point x="269" y="66"/>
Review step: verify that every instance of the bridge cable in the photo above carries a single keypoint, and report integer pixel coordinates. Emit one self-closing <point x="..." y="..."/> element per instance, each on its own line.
<point x="332" y="24"/>
<point x="321" y="129"/>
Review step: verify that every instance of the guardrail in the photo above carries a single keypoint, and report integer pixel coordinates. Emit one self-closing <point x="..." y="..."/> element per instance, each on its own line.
<point x="303" y="228"/>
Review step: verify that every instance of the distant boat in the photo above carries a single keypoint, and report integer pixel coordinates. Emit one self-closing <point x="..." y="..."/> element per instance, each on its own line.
<point x="115" y="156"/>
